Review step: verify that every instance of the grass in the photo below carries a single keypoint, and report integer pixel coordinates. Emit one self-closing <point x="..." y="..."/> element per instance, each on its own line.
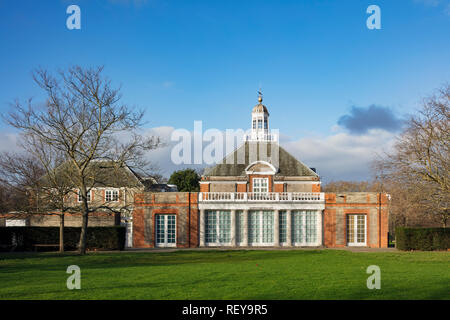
<point x="282" y="274"/>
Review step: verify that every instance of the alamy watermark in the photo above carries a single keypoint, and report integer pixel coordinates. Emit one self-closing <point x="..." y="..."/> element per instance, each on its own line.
<point x="73" y="281"/>
<point x="374" y="281"/>
<point x="74" y="20"/>
<point x="374" y="20"/>
<point x="215" y="146"/>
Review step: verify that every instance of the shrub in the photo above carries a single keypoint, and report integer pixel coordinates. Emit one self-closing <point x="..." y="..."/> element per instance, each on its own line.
<point x="425" y="239"/>
<point x="110" y="238"/>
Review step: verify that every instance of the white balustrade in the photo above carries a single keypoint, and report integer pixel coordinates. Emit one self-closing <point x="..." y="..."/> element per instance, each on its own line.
<point x="261" y="197"/>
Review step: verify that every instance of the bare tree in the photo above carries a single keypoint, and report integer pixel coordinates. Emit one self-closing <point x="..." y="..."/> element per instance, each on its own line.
<point x="418" y="167"/>
<point x="84" y="121"/>
<point x="40" y="189"/>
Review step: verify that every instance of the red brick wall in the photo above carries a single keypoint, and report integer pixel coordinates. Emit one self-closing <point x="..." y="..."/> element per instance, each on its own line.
<point x="148" y="205"/>
<point x="204" y="187"/>
<point x="241" y="187"/>
<point x="250" y="187"/>
<point x="337" y="207"/>
<point x="278" y="187"/>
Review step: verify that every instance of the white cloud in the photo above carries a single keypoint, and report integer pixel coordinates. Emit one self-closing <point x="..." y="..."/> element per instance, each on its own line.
<point x="341" y="156"/>
<point x="338" y="156"/>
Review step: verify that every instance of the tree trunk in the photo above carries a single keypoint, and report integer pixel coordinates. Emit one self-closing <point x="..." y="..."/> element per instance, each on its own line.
<point x="83" y="235"/>
<point x="61" y="233"/>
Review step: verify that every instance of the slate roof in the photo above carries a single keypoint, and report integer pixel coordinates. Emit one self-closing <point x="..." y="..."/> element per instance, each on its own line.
<point x="288" y="165"/>
<point x="105" y="174"/>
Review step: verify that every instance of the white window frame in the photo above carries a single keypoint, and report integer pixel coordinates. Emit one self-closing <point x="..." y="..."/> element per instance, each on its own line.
<point x="217" y="226"/>
<point x="303" y="242"/>
<point x="260" y="217"/>
<point x="80" y="199"/>
<point x="112" y="197"/>
<point x="355" y="230"/>
<point x="259" y="185"/>
<point x="166" y="244"/>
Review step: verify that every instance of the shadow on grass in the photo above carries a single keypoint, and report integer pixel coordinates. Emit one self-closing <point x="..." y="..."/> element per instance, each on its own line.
<point x="16" y="262"/>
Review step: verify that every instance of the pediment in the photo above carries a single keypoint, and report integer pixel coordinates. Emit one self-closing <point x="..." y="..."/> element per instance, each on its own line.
<point x="260" y="167"/>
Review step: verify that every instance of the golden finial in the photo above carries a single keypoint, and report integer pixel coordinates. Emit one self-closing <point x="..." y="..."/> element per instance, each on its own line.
<point x="260" y="99"/>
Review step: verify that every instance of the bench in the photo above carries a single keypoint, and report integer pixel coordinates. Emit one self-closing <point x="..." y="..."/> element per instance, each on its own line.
<point x="36" y="246"/>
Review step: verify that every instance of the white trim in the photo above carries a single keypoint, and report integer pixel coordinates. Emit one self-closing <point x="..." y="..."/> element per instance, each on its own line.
<point x="274" y="170"/>
<point x="89" y="195"/>
<point x="355" y="230"/>
<point x="113" y="189"/>
<point x="165" y="244"/>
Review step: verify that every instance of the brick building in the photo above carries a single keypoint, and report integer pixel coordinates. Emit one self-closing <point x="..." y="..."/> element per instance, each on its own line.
<point x="260" y="195"/>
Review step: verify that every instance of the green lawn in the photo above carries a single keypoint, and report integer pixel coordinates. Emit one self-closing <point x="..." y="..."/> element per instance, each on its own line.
<point x="282" y="274"/>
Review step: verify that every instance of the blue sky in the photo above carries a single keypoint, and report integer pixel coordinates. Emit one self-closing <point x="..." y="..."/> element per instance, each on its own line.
<point x="320" y="68"/>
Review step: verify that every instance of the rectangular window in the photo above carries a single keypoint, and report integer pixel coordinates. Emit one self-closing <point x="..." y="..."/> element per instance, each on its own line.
<point x="111" y="195"/>
<point x="254" y="124"/>
<point x="253" y="227"/>
<point x="311" y="227"/>
<point x="240" y="226"/>
<point x="304" y="227"/>
<point x="218" y="227"/>
<point x="165" y="230"/>
<point x="267" y="227"/>
<point x="260" y="185"/>
<point x="283" y="226"/>
<point x="356" y="230"/>
<point x="261" y="224"/>
<point x="259" y="124"/>
<point x="80" y="198"/>
<point x="224" y="226"/>
<point x="297" y="224"/>
<point x="265" y="123"/>
<point x="211" y="228"/>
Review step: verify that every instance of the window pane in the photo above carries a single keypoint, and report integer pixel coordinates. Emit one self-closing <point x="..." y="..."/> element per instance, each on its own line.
<point x="350" y="228"/>
<point x="159" y="228"/>
<point x="361" y="229"/>
<point x="311" y="224"/>
<point x="224" y="226"/>
<point x="267" y="227"/>
<point x="283" y="224"/>
<point x="297" y="230"/>
<point x="211" y="230"/>
<point x="253" y="227"/>
<point x="171" y="229"/>
<point x="240" y="226"/>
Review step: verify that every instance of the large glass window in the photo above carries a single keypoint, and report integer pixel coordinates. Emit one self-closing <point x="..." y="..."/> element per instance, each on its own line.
<point x="218" y="227"/>
<point x="283" y="226"/>
<point x="356" y="230"/>
<point x="304" y="227"/>
<point x="211" y="227"/>
<point x="260" y="227"/>
<point x="165" y="230"/>
<point x="253" y="226"/>
<point x="260" y="185"/>
<point x="267" y="227"/>
<point x="240" y="226"/>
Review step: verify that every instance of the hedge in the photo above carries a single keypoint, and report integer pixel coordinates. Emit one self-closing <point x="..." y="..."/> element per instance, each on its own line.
<point x="426" y="239"/>
<point x="107" y="238"/>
